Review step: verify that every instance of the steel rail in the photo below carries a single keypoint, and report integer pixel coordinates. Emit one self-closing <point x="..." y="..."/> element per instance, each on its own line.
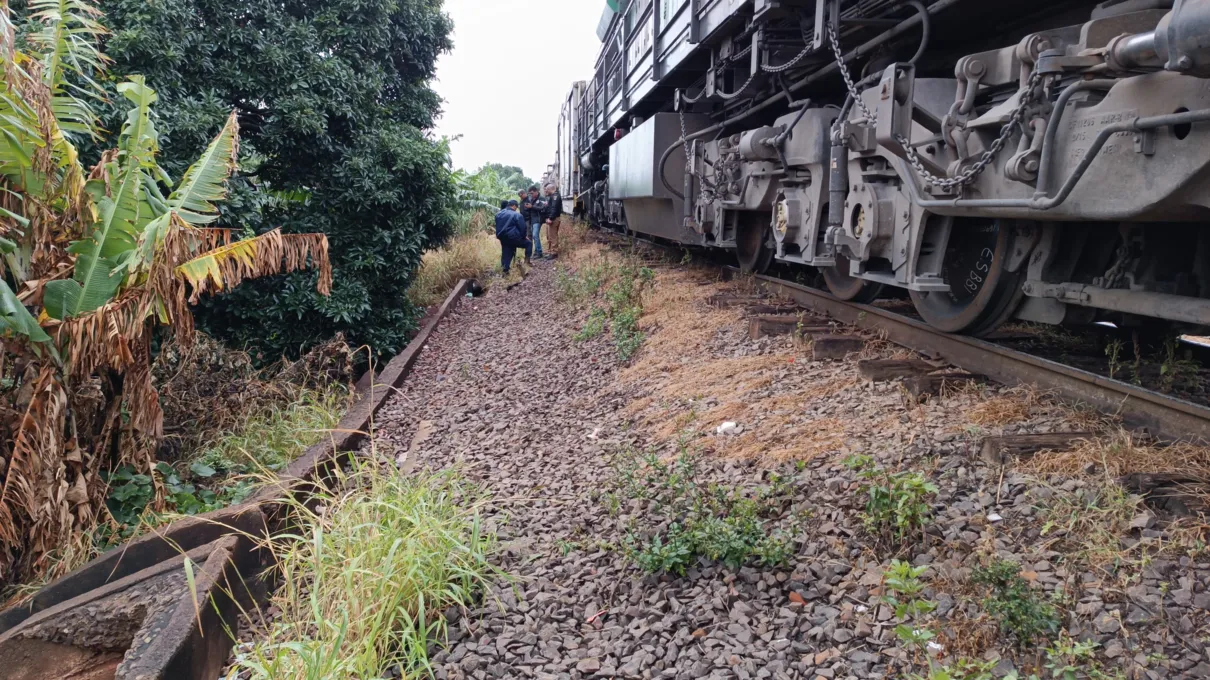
<point x="1163" y="416"/>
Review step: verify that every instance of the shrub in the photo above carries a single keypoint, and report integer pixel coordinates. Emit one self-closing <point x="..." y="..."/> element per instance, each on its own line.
<point x="334" y="98"/>
<point x="897" y="504"/>
<point x="1016" y="606"/>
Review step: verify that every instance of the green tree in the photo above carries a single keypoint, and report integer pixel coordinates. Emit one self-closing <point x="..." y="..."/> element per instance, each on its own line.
<point x="511" y="175"/>
<point x="333" y="99"/>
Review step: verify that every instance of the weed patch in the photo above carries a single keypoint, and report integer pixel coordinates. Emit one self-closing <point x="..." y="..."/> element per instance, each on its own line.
<point x="714" y="522"/>
<point x="468" y="255"/>
<point x="367" y="578"/>
<point x="623" y="286"/>
<point x="1090" y="522"/>
<point x="897" y="504"/>
<point x="1018" y="608"/>
<point x="226" y="470"/>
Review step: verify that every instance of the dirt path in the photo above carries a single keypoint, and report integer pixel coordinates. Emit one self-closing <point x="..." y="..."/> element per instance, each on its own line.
<point x="505" y="394"/>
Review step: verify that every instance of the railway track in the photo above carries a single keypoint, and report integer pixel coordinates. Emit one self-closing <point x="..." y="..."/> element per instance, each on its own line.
<point x="1162" y="416"/>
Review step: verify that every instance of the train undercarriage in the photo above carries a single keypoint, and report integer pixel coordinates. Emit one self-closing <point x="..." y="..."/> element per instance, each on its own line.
<point x="1061" y="177"/>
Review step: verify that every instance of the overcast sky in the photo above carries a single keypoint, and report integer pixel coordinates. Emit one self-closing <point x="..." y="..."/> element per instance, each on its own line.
<point x="513" y="63"/>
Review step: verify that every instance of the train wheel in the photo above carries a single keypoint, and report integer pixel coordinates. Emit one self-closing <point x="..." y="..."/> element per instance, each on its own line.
<point x="847" y="287"/>
<point x="983" y="294"/>
<point x="754" y="244"/>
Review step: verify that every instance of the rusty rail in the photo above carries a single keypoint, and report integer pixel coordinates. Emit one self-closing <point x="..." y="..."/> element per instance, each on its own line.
<point x="130" y="614"/>
<point x="1163" y="416"/>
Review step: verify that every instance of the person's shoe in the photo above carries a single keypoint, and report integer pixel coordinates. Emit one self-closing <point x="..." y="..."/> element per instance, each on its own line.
<point x="528" y="261"/>
<point x="506" y="272"/>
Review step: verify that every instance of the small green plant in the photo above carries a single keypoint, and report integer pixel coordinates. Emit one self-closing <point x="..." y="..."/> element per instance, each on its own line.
<point x="1114" y="351"/>
<point x="904" y="591"/>
<point x="912" y="637"/>
<point x="1176" y="371"/>
<point x="567" y="547"/>
<point x="897" y="503"/>
<point x="129" y="495"/>
<point x="671" y="552"/>
<point x="627" y="338"/>
<point x="714" y="522"/>
<point x="1018" y="608"/>
<point x="623" y="302"/>
<point x="1069" y="659"/>
<point x="960" y="669"/>
<point x="903" y="582"/>
<point x="594" y="326"/>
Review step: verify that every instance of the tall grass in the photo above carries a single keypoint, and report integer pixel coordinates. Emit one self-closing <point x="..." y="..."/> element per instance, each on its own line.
<point x="271" y="438"/>
<point x="368" y="575"/>
<point x="471" y="253"/>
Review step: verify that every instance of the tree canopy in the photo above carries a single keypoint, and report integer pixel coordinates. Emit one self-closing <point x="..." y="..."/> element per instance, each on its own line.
<point x="333" y="99"/>
<point x="511" y="175"/>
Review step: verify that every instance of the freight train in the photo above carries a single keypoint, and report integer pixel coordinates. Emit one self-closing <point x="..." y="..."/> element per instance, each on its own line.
<point x="1042" y="160"/>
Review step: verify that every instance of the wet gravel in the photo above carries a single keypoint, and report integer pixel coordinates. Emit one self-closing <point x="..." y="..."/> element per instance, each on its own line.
<point x="503" y="393"/>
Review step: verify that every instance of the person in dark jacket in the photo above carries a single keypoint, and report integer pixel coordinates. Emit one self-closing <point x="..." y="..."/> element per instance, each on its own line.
<point x="554" y="217"/>
<point x="511" y="230"/>
<point x="534" y="212"/>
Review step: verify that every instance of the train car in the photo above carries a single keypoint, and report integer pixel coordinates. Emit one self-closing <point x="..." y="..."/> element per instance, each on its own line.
<point x="567" y="159"/>
<point x="1045" y="160"/>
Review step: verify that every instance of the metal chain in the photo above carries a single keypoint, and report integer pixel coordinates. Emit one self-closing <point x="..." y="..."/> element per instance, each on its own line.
<point x="989" y="155"/>
<point x="739" y="55"/>
<point x="844" y="73"/>
<point x="789" y="64"/>
<point x="685" y="141"/>
<point x="985" y="159"/>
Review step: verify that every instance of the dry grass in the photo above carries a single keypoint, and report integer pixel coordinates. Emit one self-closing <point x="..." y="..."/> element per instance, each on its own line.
<point x="1120" y="453"/>
<point x="466" y="256"/>
<point x="686" y="390"/>
<point x="1013" y="406"/>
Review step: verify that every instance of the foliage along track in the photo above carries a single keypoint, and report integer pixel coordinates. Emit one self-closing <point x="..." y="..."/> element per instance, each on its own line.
<point x="161" y="606"/>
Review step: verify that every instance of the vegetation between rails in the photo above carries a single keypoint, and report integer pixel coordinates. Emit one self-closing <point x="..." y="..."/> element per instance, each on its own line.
<point x="368" y="576"/>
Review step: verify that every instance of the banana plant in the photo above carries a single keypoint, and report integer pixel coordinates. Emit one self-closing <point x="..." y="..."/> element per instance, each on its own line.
<point x="90" y="262"/>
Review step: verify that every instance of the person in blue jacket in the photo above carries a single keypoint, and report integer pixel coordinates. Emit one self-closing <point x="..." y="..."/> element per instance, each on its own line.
<point x="512" y="232"/>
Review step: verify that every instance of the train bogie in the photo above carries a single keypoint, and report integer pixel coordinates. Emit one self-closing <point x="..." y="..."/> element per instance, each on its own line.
<point x="1060" y="175"/>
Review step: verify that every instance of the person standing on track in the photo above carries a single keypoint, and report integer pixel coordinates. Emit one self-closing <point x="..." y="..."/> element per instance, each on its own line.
<point x="554" y="216"/>
<point x="511" y="230"/>
<point x="534" y="213"/>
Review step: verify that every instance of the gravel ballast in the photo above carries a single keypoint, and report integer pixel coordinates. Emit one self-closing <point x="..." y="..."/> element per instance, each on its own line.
<point x="506" y="395"/>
